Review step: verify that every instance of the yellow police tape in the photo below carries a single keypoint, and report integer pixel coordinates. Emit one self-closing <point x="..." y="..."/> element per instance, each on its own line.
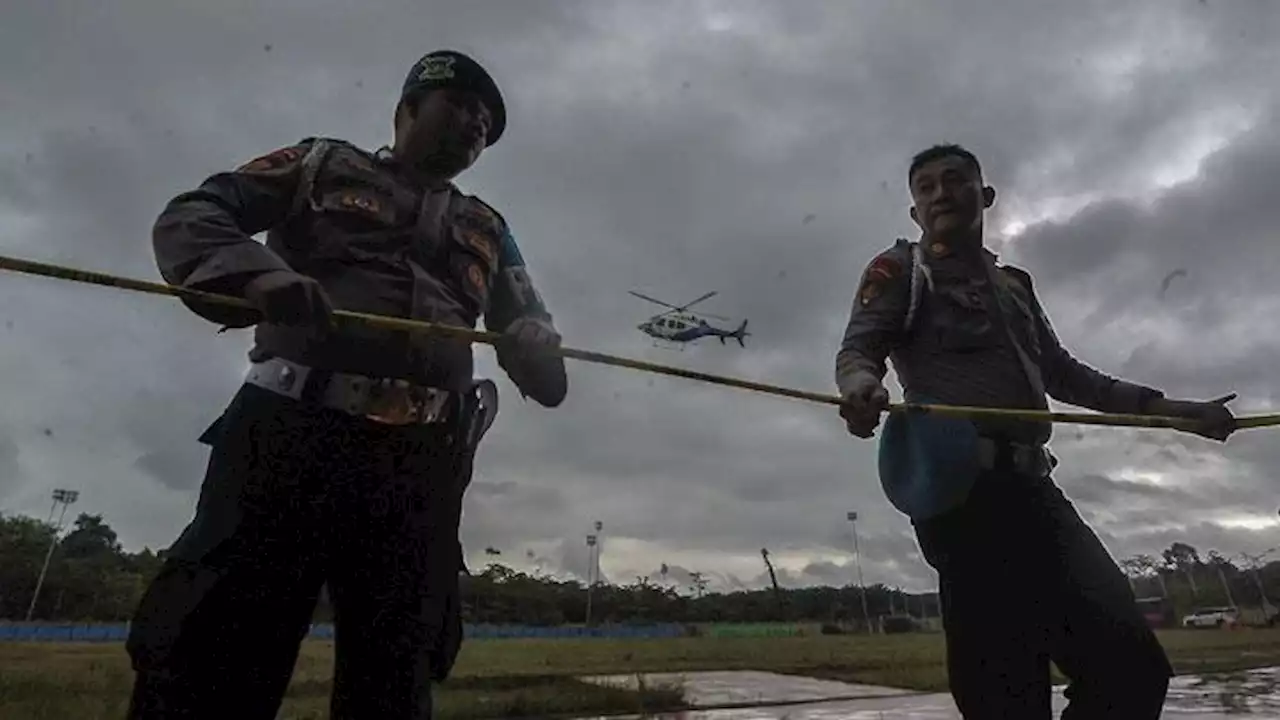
<point x="394" y="323"/>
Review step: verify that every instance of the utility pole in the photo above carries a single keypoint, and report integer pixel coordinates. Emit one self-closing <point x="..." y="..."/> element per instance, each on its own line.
<point x="1226" y="587"/>
<point x="852" y="517"/>
<point x="64" y="498"/>
<point x="1254" y="562"/>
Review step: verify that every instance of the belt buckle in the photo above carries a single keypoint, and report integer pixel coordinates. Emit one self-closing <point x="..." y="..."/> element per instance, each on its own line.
<point x="393" y="401"/>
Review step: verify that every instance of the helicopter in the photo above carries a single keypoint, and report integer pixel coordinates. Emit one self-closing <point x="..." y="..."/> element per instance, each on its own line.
<point x="681" y="326"/>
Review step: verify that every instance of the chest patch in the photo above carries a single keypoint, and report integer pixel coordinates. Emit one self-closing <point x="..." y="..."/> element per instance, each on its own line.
<point x="359" y="201"/>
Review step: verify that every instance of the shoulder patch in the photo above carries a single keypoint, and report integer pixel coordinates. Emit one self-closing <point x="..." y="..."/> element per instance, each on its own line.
<point x="276" y="161"/>
<point x="883" y="269"/>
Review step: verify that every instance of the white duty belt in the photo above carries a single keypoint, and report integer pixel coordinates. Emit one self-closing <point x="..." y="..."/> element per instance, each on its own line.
<point x="386" y="400"/>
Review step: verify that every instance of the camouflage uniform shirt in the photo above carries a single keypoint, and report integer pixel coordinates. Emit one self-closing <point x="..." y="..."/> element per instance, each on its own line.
<point x="968" y="341"/>
<point x="376" y="237"/>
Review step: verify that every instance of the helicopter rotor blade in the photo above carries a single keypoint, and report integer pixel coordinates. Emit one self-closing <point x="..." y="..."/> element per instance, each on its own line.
<point x="653" y="300"/>
<point x="680" y="308"/>
<point x="691" y="303"/>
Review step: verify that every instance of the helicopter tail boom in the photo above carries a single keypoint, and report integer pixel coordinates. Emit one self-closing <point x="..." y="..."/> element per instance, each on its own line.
<point x="738" y="334"/>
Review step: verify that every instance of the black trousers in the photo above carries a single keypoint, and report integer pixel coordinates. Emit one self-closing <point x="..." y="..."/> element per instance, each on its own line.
<point x="295" y="497"/>
<point x="1023" y="581"/>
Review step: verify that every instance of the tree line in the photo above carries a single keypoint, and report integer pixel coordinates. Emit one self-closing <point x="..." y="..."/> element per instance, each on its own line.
<point x="91" y="578"/>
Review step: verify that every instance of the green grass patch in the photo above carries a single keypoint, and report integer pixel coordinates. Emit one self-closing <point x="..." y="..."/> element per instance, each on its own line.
<point x="537" y="677"/>
<point x="48" y="681"/>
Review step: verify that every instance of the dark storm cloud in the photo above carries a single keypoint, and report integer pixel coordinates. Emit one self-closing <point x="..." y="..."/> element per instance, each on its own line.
<point x="1232" y="543"/>
<point x="10" y="469"/>
<point x="1214" y="227"/>
<point x="173" y="468"/>
<point x="1121" y="504"/>
<point x="1210" y="331"/>
<point x="756" y="149"/>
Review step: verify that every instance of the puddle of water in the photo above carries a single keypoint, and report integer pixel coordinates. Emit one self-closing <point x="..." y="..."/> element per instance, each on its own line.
<point x="1255" y="692"/>
<point x="743" y="686"/>
<point x="1250" y="692"/>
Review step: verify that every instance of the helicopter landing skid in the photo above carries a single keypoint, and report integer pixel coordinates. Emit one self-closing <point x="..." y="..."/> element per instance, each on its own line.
<point x="669" y="345"/>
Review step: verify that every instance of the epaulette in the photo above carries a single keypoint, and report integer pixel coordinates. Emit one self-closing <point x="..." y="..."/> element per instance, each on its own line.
<point x="323" y="139"/>
<point x="311" y="162"/>
<point x="921" y="280"/>
<point x="488" y="207"/>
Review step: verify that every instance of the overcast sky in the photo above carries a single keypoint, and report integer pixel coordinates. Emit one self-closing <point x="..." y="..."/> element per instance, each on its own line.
<point x="758" y="149"/>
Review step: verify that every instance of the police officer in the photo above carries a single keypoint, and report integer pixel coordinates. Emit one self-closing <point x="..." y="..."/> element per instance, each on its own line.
<point x="1022" y="578"/>
<point x="342" y="459"/>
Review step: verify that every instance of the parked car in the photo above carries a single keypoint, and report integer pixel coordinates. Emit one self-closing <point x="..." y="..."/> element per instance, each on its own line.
<point x="1215" y="617"/>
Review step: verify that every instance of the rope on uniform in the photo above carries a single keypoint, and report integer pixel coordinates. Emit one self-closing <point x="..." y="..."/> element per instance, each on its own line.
<point x="489" y="338"/>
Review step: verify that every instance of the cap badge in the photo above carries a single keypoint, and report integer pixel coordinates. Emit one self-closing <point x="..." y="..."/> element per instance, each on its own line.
<point x="436" y="68"/>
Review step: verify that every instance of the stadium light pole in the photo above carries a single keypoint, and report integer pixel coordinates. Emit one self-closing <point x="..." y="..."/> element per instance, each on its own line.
<point x="64" y="498"/>
<point x="852" y="517"/>
<point x="593" y="564"/>
<point x="599" y="547"/>
<point x="591" y="545"/>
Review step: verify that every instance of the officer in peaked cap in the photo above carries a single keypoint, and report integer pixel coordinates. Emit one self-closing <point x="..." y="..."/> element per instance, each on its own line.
<point x="449" y="68"/>
<point x="344" y="457"/>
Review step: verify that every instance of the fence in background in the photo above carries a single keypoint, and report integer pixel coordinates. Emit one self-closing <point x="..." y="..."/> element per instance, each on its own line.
<point x="85" y="632"/>
<point x="759" y="630"/>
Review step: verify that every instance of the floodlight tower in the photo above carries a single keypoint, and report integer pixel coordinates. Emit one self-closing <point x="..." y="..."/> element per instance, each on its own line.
<point x="64" y="498"/>
<point x="599" y="547"/>
<point x="852" y="517"/>
<point x="591" y="545"/>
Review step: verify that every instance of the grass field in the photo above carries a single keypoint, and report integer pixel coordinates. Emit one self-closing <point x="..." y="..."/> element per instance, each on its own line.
<point x="514" y="678"/>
